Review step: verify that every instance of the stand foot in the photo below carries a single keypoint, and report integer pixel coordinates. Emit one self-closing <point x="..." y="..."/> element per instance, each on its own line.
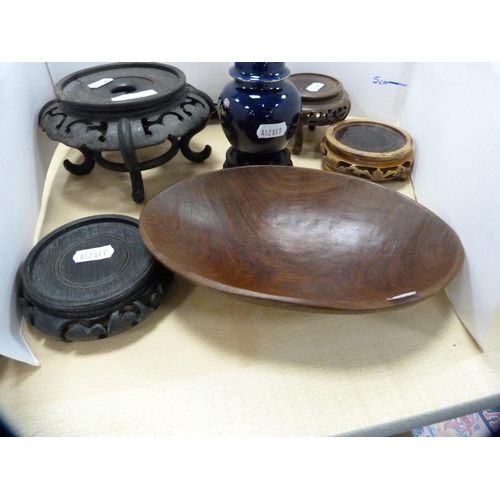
<point x="235" y="158"/>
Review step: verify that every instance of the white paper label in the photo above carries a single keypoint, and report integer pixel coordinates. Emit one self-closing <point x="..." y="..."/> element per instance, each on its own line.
<point x="136" y="95"/>
<point x="402" y="296"/>
<point x="270" y="131"/>
<point x="99" y="83"/>
<point x="314" y="87"/>
<point x="90" y="254"/>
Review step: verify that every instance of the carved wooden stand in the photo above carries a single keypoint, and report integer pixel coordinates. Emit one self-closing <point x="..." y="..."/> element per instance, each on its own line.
<point x="142" y="105"/>
<point x="91" y="279"/>
<point x="368" y="149"/>
<point x="324" y="101"/>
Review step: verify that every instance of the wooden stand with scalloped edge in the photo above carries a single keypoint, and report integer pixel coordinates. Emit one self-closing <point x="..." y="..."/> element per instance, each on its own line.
<point x="368" y="149"/>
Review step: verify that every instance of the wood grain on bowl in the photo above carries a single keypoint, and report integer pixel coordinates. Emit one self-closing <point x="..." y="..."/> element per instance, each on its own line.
<point x="301" y="236"/>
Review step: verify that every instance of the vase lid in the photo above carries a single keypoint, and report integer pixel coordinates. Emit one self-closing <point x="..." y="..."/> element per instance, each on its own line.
<point x="264" y="72"/>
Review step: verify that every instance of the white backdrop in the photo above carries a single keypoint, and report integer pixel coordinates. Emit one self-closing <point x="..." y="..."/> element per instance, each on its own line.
<point x="25" y="154"/>
<point x="453" y="113"/>
<point x="451" y="110"/>
<point x="364" y="82"/>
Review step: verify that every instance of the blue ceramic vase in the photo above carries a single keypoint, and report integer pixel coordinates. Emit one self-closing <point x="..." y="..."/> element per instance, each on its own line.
<point x="259" y="111"/>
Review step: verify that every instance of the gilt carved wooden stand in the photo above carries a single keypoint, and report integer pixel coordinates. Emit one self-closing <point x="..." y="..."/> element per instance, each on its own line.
<point x="368" y="149"/>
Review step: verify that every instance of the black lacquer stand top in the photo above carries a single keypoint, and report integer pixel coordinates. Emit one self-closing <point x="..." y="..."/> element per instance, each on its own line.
<point x="90" y="279"/>
<point x="124" y="107"/>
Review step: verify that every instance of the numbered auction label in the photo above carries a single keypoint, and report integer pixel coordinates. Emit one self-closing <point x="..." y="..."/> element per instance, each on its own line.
<point x="314" y="87"/>
<point x="270" y="131"/>
<point x="90" y="254"/>
<point x="136" y="95"/>
<point x="100" y="83"/>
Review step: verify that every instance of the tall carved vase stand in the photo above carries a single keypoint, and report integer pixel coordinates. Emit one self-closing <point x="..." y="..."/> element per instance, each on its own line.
<point x="123" y="107"/>
<point x="324" y="102"/>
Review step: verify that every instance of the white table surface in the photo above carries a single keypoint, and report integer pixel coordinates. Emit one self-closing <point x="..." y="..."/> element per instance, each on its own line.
<point x="209" y="364"/>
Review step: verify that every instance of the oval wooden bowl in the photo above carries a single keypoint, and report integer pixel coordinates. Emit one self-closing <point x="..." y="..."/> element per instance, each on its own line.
<point x="301" y="236"/>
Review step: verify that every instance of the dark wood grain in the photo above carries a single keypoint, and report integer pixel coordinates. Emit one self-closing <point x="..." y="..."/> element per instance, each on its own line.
<point x="301" y="236"/>
<point x="74" y="93"/>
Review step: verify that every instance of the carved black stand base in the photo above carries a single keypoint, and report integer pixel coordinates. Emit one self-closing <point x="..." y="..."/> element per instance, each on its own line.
<point x="71" y="291"/>
<point x="130" y="162"/>
<point x="235" y="158"/>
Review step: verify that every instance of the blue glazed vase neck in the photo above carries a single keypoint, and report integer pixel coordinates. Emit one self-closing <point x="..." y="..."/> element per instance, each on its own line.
<point x="263" y="72"/>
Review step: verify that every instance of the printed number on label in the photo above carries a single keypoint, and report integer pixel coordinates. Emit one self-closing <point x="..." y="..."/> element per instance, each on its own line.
<point x="91" y="254"/>
<point x="272" y="130"/>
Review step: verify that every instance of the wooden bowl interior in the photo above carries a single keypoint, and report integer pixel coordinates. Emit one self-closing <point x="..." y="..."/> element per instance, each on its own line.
<point x="301" y="236"/>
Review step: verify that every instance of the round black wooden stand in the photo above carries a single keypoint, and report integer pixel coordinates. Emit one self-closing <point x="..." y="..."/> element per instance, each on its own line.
<point x="91" y="279"/>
